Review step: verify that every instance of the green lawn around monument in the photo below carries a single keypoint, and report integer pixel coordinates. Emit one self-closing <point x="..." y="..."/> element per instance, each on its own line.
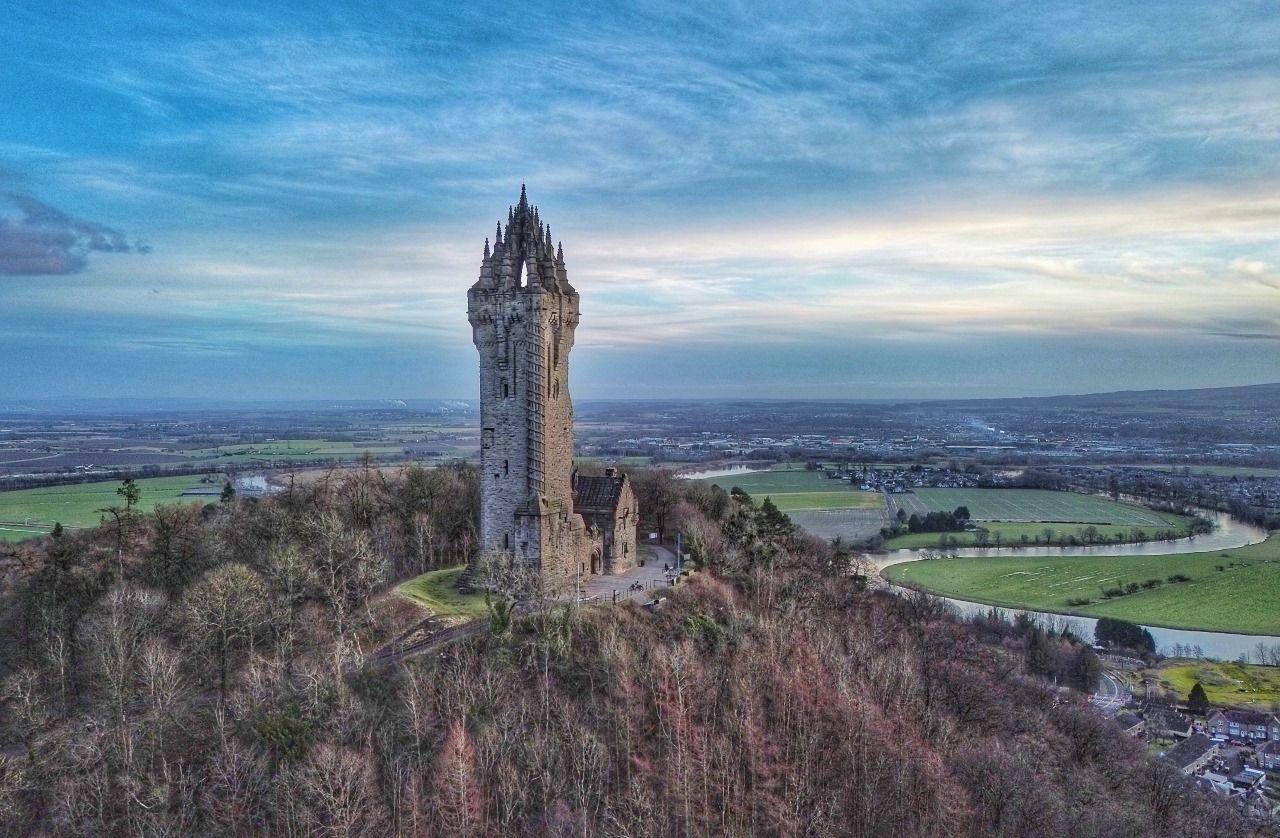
<point x="435" y="590"/>
<point x="795" y="489"/>
<point x="26" y="513"/>
<point x="1226" y="590"/>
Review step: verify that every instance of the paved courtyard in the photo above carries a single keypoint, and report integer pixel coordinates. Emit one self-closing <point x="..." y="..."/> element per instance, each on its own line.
<point x="650" y="577"/>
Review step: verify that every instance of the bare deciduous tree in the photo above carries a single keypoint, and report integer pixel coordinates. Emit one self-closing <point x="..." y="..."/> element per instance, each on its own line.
<point x="224" y="610"/>
<point x="113" y="635"/>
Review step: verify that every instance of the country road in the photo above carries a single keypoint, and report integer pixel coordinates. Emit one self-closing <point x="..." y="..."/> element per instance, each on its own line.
<point x="1112" y="693"/>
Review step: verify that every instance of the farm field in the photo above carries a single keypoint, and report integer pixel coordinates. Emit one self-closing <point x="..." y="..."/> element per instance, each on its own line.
<point x="1247" y="686"/>
<point x="291" y="449"/>
<point x="434" y="589"/>
<point x="798" y="489"/>
<point x="29" y="512"/>
<point x="1012" y="534"/>
<point x="1228" y="590"/>
<point x="1216" y="471"/>
<point x="623" y="462"/>
<point x="849" y="524"/>
<point x="1033" y="505"/>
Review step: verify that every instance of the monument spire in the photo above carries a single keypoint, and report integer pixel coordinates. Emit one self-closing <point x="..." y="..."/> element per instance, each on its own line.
<point x="523" y="315"/>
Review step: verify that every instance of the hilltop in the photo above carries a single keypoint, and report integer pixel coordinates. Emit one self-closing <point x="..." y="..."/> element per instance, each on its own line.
<point x="200" y="671"/>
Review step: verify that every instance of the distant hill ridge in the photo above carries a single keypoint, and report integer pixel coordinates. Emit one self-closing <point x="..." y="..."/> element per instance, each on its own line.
<point x="1251" y="395"/>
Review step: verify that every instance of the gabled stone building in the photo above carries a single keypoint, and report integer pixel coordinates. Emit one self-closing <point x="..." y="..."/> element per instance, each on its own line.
<point x="608" y="505"/>
<point x="523" y="315"/>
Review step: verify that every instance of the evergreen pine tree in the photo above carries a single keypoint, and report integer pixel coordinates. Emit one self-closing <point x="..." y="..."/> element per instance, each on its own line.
<point x="1198" y="700"/>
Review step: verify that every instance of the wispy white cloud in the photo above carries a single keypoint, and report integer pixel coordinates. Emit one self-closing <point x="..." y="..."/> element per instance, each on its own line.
<point x="737" y="175"/>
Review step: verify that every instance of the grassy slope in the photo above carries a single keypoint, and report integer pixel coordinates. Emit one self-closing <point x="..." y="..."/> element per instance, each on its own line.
<point x="75" y="505"/>
<point x="795" y="489"/>
<point x="1242" y="598"/>
<point x="435" y="590"/>
<point x="1227" y="684"/>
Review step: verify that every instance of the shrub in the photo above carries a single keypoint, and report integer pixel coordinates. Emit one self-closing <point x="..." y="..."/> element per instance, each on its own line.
<point x="1123" y="633"/>
<point x="285" y="732"/>
<point x="703" y="630"/>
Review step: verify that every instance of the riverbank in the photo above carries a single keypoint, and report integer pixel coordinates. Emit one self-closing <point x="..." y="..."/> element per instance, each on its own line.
<point x="999" y="534"/>
<point x="1233" y="591"/>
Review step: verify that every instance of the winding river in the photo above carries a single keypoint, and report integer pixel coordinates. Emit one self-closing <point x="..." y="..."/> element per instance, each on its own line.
<point x="1227" y="534"/>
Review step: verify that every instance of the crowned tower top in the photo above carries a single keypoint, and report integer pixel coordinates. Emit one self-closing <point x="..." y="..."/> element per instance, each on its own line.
<point x="523" y="255"/>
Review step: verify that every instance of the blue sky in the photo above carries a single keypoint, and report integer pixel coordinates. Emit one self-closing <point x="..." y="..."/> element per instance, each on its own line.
<point x="831" y="200"/>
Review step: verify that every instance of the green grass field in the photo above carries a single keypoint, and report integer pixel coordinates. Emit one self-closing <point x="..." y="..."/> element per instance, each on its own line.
<point x="1021" y="516"/>
<point x="796" y="489"/>
<point x="1011" y="535"/>
<point x="1217" y="471"/>
<point x="1034" y="505"/>
<point x="29" y="512"/>
<point x="1226" y="684"/>
<point x="1241" y="598"/>
<point x="435" y="590"/>
<point x="292" y="449"/>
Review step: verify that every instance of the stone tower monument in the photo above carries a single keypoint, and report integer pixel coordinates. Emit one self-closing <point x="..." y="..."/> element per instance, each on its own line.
<point x="523" y="314"/>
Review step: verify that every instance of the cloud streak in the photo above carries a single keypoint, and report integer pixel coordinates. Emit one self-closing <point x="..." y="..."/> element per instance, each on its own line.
<point x="42" y="240"/>
<point x="725" y="178"/>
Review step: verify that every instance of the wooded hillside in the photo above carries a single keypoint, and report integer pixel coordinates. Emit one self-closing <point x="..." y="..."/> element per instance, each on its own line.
<point x="199" y="672"/>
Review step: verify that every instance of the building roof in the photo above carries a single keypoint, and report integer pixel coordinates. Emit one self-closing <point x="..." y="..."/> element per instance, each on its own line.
<point x="1249" y="777"/>
<point x="1189" y="751"/>
<point x="1213" y="784"/>
<point x="1168" y="719"/>
<point x="597" y="495"/>
<point x="1272" y="747"/>
<point x="1243" y="717"/>
<point x="1128" y="721"/>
